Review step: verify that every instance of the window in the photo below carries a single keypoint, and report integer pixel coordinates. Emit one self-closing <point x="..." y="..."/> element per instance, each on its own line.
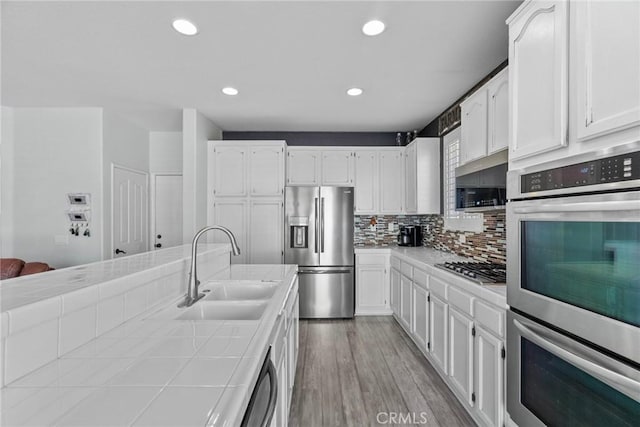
<point x="455" y="220"/>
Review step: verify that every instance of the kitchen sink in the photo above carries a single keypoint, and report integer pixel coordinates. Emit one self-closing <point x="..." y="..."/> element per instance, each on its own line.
<point x="212" y="310"/>
<point x="237" y="291"/>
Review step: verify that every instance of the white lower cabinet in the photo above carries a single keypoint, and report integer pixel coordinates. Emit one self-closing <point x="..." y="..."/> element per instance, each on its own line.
<point x="372" y="285"/>
<point x="439" y="311"/>
<point x="284" y="355"/>
<point x="420" y="316"/>
<point x="405" y="301"/>
<point x="461" y="332"/>
<point x="488" y="369"/>
<point x="395" y="291"/>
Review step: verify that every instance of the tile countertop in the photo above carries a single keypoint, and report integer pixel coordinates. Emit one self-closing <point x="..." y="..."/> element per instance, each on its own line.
<point x="428" y="258"/>
<point x="24" y="290"/>
<point x="155" y="371"/>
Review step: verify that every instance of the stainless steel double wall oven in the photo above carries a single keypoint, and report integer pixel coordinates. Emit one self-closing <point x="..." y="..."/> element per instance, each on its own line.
<point x="573" y="276"/>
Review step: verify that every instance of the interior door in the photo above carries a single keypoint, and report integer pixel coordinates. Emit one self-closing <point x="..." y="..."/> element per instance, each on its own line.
<point x="129" y="212"/>
<point x="167" y="211"/>
<point x="336" y="226"/>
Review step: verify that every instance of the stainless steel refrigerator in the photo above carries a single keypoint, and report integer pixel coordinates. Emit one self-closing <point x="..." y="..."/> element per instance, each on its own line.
<point x="319" y="238"/>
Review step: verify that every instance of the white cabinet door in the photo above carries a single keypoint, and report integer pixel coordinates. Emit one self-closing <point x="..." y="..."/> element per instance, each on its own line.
<point x="489" y="374"/>
<point x="265" y="231"/>
<point x="405" y="302"/>
<point x="538" y="89"/>
<point x="371" y="290"/>
<point x="337" y="168"/>
<point x="607" y="71"/>
<point x="498" y="112"/>
<point x="411" y="179"/>
<point x="230" y="171"/>
<point x="232" y="213"/>
<point x="420" y="316"/>
<point x="473" y="143"/>
<point x="366" y="182"/>
<point x="461" y="354"/>
<point x="266" y="171"/>
<point x="395" y="292"/>
<point x="391" y="181"/>
<point x="303" y="167"/>
<point x="439" y="312"/>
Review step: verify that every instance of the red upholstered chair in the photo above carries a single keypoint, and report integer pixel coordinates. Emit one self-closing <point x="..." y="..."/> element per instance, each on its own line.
<point x="10" y="267"/>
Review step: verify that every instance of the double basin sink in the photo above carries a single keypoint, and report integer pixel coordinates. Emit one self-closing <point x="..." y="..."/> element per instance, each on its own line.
<point x="228" y="300"/>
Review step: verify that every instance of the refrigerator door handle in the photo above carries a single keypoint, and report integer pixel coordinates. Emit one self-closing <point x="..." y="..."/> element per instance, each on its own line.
<point x="315" y="238"/>
<point x="323" y="271"/>
<point x="322" y="225"/>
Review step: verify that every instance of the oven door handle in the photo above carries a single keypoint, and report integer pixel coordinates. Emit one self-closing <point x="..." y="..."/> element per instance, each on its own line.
<point x="619" y="382"/>
<point x="620" y="205"/>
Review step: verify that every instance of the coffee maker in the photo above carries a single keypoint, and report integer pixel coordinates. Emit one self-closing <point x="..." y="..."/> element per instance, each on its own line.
<point x="410" y="235"/>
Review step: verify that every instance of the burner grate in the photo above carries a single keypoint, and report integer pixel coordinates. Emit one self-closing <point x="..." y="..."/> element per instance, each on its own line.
<point x="481" y="272"/>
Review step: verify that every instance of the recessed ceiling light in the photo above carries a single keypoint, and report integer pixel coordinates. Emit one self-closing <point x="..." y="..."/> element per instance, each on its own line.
<point x="373" y="28"/>
<point x="185" y="27"/>
<point x="230" y="91"/>
<point x="354" y="91"/>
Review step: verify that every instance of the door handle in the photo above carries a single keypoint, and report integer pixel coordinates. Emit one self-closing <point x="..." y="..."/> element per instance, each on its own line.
<point x="158" y="245"/>
<point x="315" y="240"/>
<point x="615" y="380"/>
<point x="323" y="271"/>
<point x="322" y="225"/>
<point x="273" y="394"/>
<point x="118" y="251"/>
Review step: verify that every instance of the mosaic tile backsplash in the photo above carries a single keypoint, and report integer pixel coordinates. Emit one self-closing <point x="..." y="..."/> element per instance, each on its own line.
<point x="488" y="246"/>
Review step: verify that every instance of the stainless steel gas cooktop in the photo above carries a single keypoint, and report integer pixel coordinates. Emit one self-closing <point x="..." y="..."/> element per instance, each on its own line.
<point x="482" y="272"/>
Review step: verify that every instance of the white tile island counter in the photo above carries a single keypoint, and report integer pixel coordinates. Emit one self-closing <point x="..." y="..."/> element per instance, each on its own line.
<point x="104" y="353"/>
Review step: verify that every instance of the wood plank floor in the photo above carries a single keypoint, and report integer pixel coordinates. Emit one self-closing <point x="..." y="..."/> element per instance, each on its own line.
<point x="356" y="372"/>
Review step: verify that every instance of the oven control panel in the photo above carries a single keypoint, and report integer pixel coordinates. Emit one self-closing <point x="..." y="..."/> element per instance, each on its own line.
<point x="625" y="167"/>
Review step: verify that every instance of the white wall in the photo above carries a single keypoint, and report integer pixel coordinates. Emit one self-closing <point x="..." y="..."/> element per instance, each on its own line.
<point x="6" y="182"/>
<point x="196" y="131"/>
<point x="124" y="144"/>
<point x="165" y="152"/>
<point x="56" y="151"/>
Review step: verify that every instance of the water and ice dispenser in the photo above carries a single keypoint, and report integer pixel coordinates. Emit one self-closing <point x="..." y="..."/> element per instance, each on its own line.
<point x="299" y="232"/>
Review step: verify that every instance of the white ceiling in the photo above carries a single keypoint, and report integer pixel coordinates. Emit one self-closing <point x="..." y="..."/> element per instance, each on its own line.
<point x="292" y="61"/>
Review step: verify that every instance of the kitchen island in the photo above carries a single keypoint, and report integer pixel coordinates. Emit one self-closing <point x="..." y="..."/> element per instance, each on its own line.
<point x="148" y="369"/>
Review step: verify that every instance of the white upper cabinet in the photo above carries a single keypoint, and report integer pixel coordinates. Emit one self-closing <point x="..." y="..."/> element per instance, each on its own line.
<point x="266" y="166"/>
<point x="366" y="181"/>
<point x="538" y="82"/>
<point x="337" y="168"/>
<point x="318" y="166"/>
<point x="485" y="119"/>
<point x="230" y="171"/>
<point x="422" y="176"/>
<point x="606" y="42"/>
<point x="246" y="192"/>
<point x="303" y="167"/>
<point x="411" y="181"/>
<point x="247" y="168"/>
<point x="391" y="167"/>
<point x="498" y="112"/>
<point x="473" y="143"/>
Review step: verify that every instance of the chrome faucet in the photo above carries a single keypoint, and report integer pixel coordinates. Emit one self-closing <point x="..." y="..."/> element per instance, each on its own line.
<point x="192" y="291"/>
